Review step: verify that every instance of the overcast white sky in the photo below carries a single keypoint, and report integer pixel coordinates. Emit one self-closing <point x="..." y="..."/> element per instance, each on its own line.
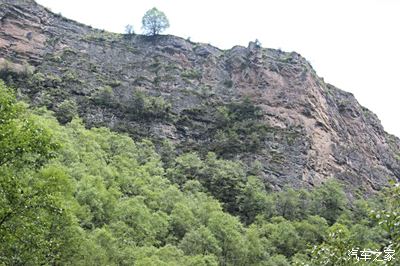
<point x="353" y="44"/>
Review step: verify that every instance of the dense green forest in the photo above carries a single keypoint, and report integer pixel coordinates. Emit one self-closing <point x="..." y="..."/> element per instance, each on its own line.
<point x="76" y="196"/>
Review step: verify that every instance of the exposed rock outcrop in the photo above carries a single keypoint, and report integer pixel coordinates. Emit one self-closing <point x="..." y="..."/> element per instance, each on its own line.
<point x="165" y="87"/>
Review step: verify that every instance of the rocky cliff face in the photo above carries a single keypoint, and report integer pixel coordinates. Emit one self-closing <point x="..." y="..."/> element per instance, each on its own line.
<point x="248" y="103"/>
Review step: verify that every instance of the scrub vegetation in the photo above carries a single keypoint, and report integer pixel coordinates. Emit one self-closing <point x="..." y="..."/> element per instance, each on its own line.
<point x="76" y="196"/>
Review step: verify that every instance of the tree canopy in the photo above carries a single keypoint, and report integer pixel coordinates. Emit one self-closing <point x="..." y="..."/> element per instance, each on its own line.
<point x="76" y="196"/>
<point x="154" y="22"/>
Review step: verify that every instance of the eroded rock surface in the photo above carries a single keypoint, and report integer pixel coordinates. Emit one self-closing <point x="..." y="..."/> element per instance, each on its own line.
<point x="165" y="87"/>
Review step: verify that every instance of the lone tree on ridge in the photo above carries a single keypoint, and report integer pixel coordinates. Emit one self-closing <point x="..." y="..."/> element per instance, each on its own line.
<point x="154" y="22"/>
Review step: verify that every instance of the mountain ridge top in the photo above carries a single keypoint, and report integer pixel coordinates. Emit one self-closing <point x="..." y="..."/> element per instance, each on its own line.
<point x="311" y="131"/>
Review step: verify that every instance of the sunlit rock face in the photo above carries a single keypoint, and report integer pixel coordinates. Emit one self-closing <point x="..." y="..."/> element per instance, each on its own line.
<point x="247" y="103"/>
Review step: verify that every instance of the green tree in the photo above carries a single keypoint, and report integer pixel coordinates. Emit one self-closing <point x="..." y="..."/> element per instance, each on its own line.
<point x="329" y="201"/>
<point x="225" y="181"/>
<point x="283" y="236"/>
<point x="104" y="96"/>
<point x="312" y="230"/>
<point x="136" y="224"/>
<point x="170" y="255"/>
<point x="277" y="260"/>
<point x="200" y="242"/>
<point x="388" y="218"/>
<point x="154" y="22"/>
<point x="229" y="234"/>
<point x="22" y="142"/>
<point x="287" y="204"/>
<point x="98" y="201"/>
<point x="66" y="111"/>
<point x="254" y="200"/>
<point x="35" y="200"/>
<point x="182" y="219"/>
<point x="334" y="250"/>
<point x="186" y="167"/>
<point x="238" y="128"/>
<point x="259" y="247"/>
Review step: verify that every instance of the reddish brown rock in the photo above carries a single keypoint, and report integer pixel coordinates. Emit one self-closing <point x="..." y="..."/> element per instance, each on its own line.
<point x="316" y="131"/>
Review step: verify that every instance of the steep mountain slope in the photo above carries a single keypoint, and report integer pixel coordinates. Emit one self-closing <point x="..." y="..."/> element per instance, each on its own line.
<point x="246" y="103"/>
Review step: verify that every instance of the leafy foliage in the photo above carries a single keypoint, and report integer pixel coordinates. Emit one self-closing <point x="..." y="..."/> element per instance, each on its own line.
<point x="238" y="128"/>
<point x="154" y="22"/>
<point x="145" y="107"/>
<point x="33" y="200"/>
<point x="66" y="111"/>
<point x="234" y="128"/>
<point x="138" y="107"/>
<point x="74" y="196"/>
